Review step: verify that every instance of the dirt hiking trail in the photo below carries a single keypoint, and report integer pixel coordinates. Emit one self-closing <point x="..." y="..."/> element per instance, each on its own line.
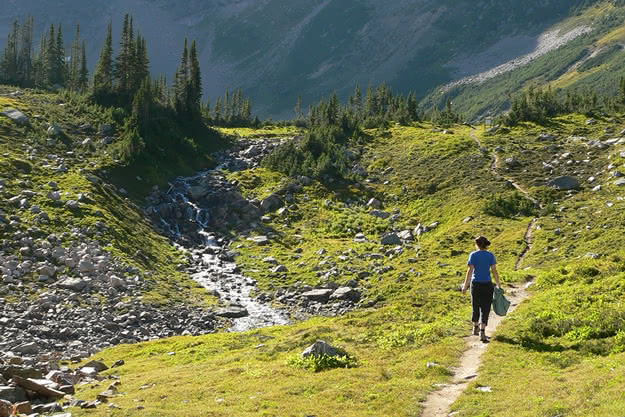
<point x="438" y="403"/>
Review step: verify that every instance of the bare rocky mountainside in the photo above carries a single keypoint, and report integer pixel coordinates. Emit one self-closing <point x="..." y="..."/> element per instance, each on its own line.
<point x="278" y="49"/>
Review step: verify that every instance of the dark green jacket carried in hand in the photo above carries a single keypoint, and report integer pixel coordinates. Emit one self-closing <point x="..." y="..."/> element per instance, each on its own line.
<point x="500" y="302"/>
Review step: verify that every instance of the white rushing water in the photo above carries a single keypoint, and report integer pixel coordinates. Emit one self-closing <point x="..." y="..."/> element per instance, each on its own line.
<point x="220" y="277"/>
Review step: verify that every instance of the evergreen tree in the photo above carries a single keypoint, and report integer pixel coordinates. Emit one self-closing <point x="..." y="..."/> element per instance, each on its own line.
<point x="298" y="108"/>
<point x="25" y="55"/>
<point x="61" y="66"/>
<point x="40" y="65"/>
<point x="103" y="74"/>
<point x="181" y="82"/>
<point x="125" y="63"/>
<point x="83" y="77"/>
<point x="74" y="62"/>
<point x="8" y="65"/>
<point x="195" y="81"/>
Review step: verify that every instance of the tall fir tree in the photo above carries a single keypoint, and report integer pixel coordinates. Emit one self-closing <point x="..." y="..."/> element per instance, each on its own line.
<point x="181" y="82"/>
<point x="25" y="72"/>
<point x="61" y="76"/>
<point x="195" y="81"/>
<point x="103" y="73"/>
<point x="40" y="65"/>
<point x="83" y="74"/>
<point x="74" y="62"/>
<point x="8" y="65"/>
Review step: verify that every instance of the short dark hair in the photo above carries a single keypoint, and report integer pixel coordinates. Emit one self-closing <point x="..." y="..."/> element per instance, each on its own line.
<point x="482" y="242"/>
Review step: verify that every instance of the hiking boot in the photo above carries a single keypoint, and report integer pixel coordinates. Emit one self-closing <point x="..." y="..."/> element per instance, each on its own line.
<point x="483" y="337"/>
<point x="476" y="330"/>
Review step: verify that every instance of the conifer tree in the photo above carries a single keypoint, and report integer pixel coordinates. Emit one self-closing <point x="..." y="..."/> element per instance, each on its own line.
<point x="103" y="74"/>
<point x="61" y="67"/>
<point x="195" y="81"/>
<point x="74" y="62"/>
<point x="40" y="65"/>
<point x="181" y="82"/>
<point x="25" y="55"/>
<point x="8" y="65"/>
<point x="83" y="76"/>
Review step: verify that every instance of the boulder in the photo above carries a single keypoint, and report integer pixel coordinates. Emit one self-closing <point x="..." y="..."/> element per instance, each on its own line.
<point x="320" y="295"/>
<point x="375" y="203"/>
<point x="565" y="183"/>
<point x="279" y="269"/>
<point x="23" y="408"/>
<point x="320" y="348"/>
<point x="29" y="348"/>
<point x="6" y="408"/>
<point x="197" y="192"/>
<point x="345" y="293"/>
<point x="259" y="240"/>
<point x="12" y="394"/>
<point x="391" y="239"/>
<point x="97" y="365"/>
<point x="233" y="312"/>
<point x="74" y="284"/>
<point x="620" y="182"/>
<point x="405" y="235"/>
<point x="17" y="116"/>
<point x="271" y="203"/>
<point x="38" y="387"/>
<point x="380" y="214"/>
<point x="106" y="129"/>
<point x="54" y="131"/>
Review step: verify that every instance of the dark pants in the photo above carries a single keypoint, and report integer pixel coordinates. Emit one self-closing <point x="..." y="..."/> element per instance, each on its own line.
<point x="481" y="299"/>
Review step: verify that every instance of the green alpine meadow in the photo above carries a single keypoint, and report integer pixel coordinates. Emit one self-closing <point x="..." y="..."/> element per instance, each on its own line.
<point x="273" y="208"/>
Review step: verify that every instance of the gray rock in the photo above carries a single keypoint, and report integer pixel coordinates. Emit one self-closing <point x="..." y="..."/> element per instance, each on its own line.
<point x="197" y="192"/>
<point x="30" y="348"/>
<point x="233" y="312"/>
<point x="106" y="129"/>
<point x="259" y="240"/>
<point x="391" y="239"/>
<point x="512" y="163"/>
<point x="319" y="348"/>
<point x="405" y="235"/>
<point x="346" y="293"/>
<point x="54" y="131"/>
<point x="320" y="295"/>
<point x="97" y="365"/>
<point x="280" y="269"/>
<point x="380" y="214"/>
<point x="544" y="137"/>
<point x="17" y="116"/>
<point x="74" y="284"/>
<point x="360" y="238"/>
<point x="271" y="203"/>
<point x="375" y="203"/>
<point x="565" y="183"/>
<point x="620" y="182"/>
<point x="72" y="204"/>
<point x="12" y="394"/>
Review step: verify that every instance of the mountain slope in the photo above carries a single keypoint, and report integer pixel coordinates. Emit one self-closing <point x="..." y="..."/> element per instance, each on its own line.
<point x="277" y="50"/>
<point x="408" y="333"/>
<point x="592" y="58"/>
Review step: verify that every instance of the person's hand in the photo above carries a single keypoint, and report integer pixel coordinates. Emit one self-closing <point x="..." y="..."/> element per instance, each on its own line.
<point x="464" y="289"/>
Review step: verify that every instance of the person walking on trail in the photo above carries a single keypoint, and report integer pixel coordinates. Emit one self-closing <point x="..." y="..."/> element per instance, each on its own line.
<point x="480" y="264"/>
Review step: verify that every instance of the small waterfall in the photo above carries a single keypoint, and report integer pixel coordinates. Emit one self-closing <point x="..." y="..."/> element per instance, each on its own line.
<point x="216" y="275"/>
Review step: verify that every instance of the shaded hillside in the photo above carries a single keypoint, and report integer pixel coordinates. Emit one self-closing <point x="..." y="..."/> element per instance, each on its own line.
<point x="278" y="50"/>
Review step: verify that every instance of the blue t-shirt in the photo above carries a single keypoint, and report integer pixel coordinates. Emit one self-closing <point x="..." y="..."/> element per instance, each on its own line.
<point x="481" y="261"/>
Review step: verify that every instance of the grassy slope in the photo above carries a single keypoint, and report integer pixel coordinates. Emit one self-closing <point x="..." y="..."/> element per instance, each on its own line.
<point x="550" y="352"/>
<point x="570" y="67"/>
<point x="127" y="231"/>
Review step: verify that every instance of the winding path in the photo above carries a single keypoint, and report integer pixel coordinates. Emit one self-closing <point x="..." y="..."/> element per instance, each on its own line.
<point x="438" y="403"/>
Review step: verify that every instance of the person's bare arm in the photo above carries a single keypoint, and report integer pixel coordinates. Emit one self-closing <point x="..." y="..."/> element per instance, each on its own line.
<point x="467" y="279"/>
<point x="495" y="274"/>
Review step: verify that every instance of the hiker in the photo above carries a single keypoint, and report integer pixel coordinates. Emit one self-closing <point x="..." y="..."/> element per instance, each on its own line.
<point x="481" y="262"/>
